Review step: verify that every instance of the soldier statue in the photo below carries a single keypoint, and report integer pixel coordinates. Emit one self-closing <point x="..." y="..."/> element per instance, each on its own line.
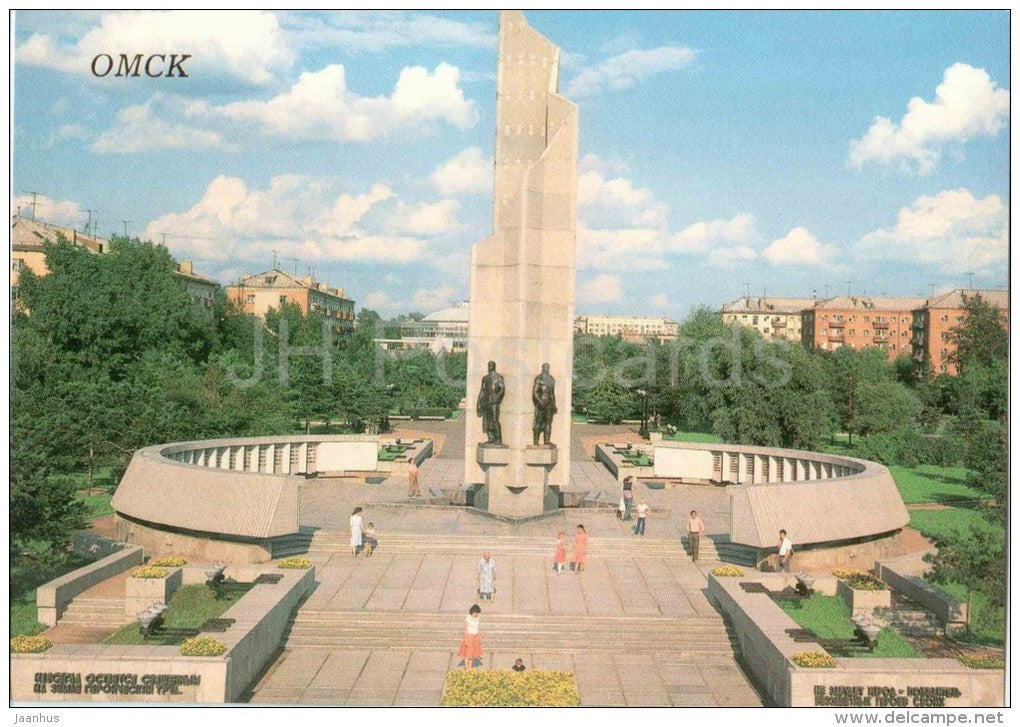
<point x="543" y="394"/>
<point x="489" y="399"/>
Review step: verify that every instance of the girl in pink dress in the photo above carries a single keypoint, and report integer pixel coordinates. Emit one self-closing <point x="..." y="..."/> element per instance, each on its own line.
<point x="579" y="554"/>
<point x="561" y="552"/>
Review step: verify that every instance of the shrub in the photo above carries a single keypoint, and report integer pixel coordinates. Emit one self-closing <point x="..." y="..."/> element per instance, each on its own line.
<point x="301" y="563"/>
<point x="814" y="660"/>
<point x="29" y="644"/>
<point x="204" y="646"/>
<point x="150" y="571"/>
<point x="169" y="561"/>
<point x="492" y="688"/>
<point x="844" y="573"/>
<point x="982" y="661"/>
<point x="727" y="571"/>
<point x="865" y="582"/>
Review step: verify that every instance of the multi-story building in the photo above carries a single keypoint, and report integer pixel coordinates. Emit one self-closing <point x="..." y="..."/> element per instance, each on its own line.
<point x="861" y="322"/>
<point x="444" y="330"/>
<point x="256" y="294"/>
<point x="773" y="318"/>
<point x="200" y="289"/>
<point x="28" y="236"/>
<point x="934" y="322"/>
<point x="636" y="329"/>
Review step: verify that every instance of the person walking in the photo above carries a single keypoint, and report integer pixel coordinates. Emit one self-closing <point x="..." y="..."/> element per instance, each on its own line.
<point x="486" y="576"/>
<point x="628" y="496"/>
<point x="622" y="508"/>
<point x="371" y="541"/>
<point x="695" y="527"/>
<point x="561" y="552"/>
<point x="357" y="533"/>
<point x="642" y="515"/>
<point x="785" y="552"/>
<point x="579" y="551"/>
<point x="471" y="644"/>
<point x="412" y="478"/>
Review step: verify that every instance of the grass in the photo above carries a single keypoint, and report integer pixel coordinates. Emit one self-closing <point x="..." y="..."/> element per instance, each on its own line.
<point x="991" y="634"/>
<point x="24" y="580"/>
<point x="190" y="607"/>
<point x="944" y="523"/>
<point x="98" y="505"/>
<point x="393" y="452"/>
<point x="924" y="484"/>
<point x="829" y="618"/>
<point x="703" y="437"/>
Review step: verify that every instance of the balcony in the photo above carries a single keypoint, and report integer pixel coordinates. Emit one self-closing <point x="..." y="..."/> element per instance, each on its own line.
<point x="835" y="324"/>
<point x="880" y="325"/>
<point x="836" y="338"/>
<point x="779" y="323"/>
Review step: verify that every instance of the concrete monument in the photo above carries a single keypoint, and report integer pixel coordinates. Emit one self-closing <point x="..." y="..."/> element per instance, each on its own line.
<point x="522" y="277"/>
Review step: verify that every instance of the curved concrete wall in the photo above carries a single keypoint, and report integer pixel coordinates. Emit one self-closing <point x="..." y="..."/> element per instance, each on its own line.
<point x="238" y="488"/>
<point x="817" y="498"/>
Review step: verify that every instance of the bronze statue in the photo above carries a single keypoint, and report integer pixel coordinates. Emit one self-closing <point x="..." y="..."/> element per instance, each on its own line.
<point x="489" y="399"/>
<point x="543" y="394"/>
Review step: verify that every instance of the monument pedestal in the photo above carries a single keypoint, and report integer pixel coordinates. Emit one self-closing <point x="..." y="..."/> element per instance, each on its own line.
<point x="512" y="497"/>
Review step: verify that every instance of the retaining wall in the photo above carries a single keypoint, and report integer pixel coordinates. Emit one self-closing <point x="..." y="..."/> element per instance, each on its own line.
<point x="53" y="597"/>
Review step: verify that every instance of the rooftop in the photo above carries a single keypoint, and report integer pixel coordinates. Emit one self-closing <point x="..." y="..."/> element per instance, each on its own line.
<point x="853" y="302"/>
<point x="281" y="280"/>
<point x="954" y="298"/>
<point x="28" y="234"/>
<point x="762" y="304"/>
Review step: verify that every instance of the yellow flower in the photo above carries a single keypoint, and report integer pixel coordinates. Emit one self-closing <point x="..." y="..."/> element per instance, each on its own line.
<point x="294" y="563"/>
<point x="169" y="561"/>
<point x="29" y="644"/>
<point x="492" y="688"/>
<point x="150" y="572"/>
<point x="814" y="660"/>
<point x="204" y="646"/>
<point x="727" y="571"/>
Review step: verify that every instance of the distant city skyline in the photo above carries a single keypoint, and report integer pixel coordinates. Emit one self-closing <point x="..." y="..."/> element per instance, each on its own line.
<point x="722" y="153"/>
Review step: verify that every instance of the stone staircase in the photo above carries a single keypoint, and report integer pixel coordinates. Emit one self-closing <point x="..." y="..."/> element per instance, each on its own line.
<point x="94" y="612"/>
<point x="908" y="621"/>
<point x="719" y="548"/>
<point x="324" y="544"/>
<point x="514" y="632"/>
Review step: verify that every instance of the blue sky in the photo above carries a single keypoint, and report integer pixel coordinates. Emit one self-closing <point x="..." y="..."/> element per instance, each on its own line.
<point x="786" y="152"/>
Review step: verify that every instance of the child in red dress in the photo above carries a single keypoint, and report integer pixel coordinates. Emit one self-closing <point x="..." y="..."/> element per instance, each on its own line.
<point x="560" y="559"/>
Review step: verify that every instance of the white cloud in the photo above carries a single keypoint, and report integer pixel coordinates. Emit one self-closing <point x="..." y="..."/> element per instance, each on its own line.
<point x="375" y="31"/>
<point x="432" y="298"/>
<point x="703" y="236"/>
<point x="659" y="300"/>
<point x="799" y="247"/>
<point x="247" y="45"/>
<point x="429" y="218"/>
<point x="319" y="106"/>
<point x="138" y="130"/>
<point x="607" y="201"/>
<point x="967" y="104"/>
<point x="952" y="231"/>
<point x="379" y="300"/>
<point x="626" y="69"/>
<point x="603" y="288"/>
<point x="729" y="256"/>
<point x="467" y="173"/>
<point x="296" y="216"/>
<point x="636" y="248"/>
<point x="64" y="213"/>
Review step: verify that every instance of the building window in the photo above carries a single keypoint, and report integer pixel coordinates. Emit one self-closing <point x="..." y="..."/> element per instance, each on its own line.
<point x="251" y="298"/>
<point x="945" y="319"/>
<point x="283" y="299"/>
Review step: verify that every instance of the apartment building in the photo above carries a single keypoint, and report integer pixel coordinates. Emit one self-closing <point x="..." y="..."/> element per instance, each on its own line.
<point x="28" y="236"/>
<point x="933" y="323"/>
<point x="861" y="322"/>
<point x="256" y="294"/>
<point x="774" y="318"/>
<point x="636" y="329"/>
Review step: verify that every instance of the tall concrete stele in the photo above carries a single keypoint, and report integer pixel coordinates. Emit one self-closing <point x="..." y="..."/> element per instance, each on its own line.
<point x="522" y="277"/>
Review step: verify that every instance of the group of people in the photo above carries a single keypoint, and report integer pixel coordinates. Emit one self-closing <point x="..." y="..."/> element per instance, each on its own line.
<point x="626" y="503"/>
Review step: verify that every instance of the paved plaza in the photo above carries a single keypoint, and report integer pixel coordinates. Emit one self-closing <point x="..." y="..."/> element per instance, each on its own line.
<point x="635" y="627"/>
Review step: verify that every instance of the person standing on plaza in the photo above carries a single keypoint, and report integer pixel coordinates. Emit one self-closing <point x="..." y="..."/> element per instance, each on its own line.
<point x="628" y="496"/>
<point x="695" y="528"/>
<point x="412" y="478"/>
<point x="785" y="552"/>
<point x="579" y="552"/>
<point x="486" y="576"/>
<point x="471" y="644"/>
<point x="642" y="515"/>
<point x="356" y="531"/>
<point x="561" y="552"/>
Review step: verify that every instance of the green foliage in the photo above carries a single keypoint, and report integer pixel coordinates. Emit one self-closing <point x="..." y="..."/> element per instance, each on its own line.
<point x="981" y="338"/>
<point x="882" y="406"/>
<point x="189" y="608"/>
<point x="927" y="483"/>
<point x="25" y="577"/>
<point x="976" y="559"/>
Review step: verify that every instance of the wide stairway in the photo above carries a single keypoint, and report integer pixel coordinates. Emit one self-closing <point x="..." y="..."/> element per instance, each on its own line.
<point x="413" y="631"/>
<point x="94" y="612"/>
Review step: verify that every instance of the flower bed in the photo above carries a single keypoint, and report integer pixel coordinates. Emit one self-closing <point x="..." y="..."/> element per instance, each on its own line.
<point x="982" y="661"/>
<point x="203" y="646"/>
<point x="168" y="561"/>
<point x="864" y="593"/>
<point x="727" y="571"/>
<point x="29" y="644"/>
<point x="844" y="573"/>
<point x="865" y="582"/>
<point x="814" y="660"/>
<point x="299" y="563"/>
<point x="492" y="688"/>
<point x="150" y="571"/>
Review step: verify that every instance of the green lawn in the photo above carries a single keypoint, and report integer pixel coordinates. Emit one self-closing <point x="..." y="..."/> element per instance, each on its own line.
<point x="924" y="484"/>
<point x="98" y="505"/>
<point x="24" y="580"/>
<point x="992" y="634"/>
<point x="829" y="618"/>
<point x="935" y="523"/>
<point x="704" y="437"/>
<point x="190" y="607"/>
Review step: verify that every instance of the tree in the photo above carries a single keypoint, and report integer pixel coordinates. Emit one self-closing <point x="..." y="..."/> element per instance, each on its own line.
<point x="981" y="338"/>
<point x="882" y="406"/>
<point x="977" y="560"/>
<point x="848" y="369"/>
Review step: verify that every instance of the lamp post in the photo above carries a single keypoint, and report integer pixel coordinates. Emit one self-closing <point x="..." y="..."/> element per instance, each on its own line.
<point x="643" y="431"/>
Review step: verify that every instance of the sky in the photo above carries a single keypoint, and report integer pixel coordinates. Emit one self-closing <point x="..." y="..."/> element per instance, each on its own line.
<point x="781" y="153"/>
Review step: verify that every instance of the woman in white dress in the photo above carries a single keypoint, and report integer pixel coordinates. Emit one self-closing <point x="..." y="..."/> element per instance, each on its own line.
<point x="356" y="530"/>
